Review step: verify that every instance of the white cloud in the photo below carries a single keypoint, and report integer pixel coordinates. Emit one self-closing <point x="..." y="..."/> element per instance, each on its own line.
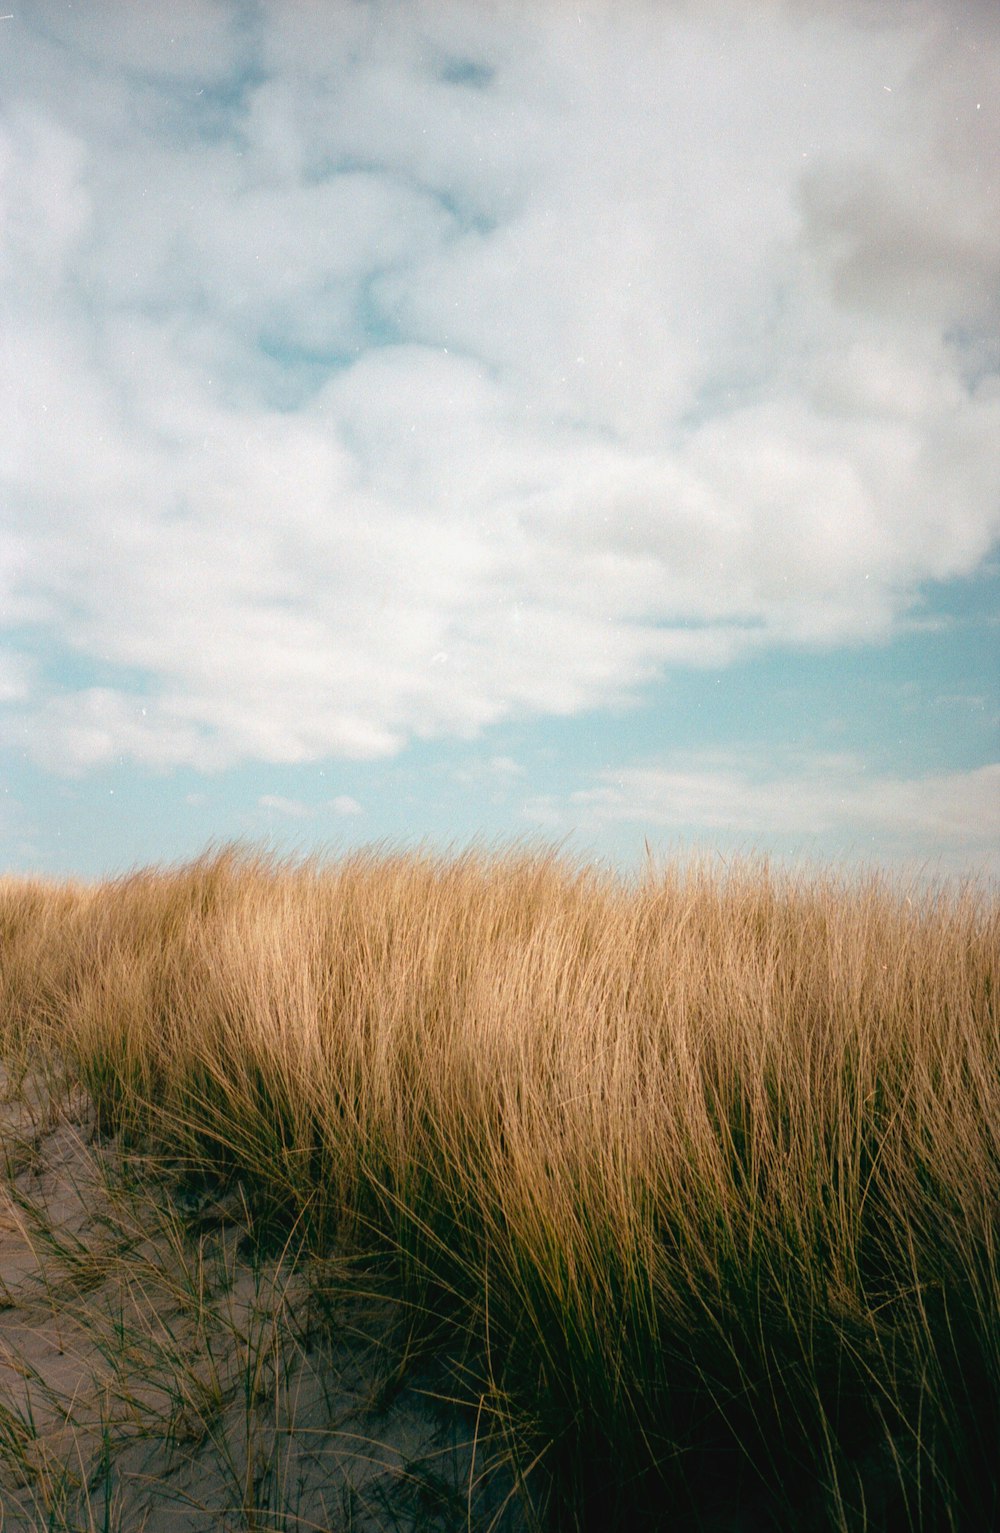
<point x="951" y="819"/>
<point x="344" y="804"/>
<point x="290" y="807"/>
<point x="566" y="343"/>
<point x="15" y="677"/>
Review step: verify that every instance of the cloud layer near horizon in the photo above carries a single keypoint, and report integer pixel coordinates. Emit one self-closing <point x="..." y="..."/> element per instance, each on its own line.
<point x="383" y="372"/>
<point x="807" y="801"/>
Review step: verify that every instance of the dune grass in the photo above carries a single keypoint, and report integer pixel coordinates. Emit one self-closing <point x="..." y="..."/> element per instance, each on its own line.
<point x="695" y="1179"/>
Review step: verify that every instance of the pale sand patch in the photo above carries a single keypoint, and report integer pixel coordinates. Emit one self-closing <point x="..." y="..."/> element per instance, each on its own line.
<point x="158" y="1373"/>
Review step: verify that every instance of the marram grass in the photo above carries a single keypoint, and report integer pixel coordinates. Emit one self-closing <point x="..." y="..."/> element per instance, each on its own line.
<point x="698" y="1176"/>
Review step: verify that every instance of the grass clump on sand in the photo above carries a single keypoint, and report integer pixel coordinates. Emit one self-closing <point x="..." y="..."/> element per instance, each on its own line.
<point x="695" y="1180"/>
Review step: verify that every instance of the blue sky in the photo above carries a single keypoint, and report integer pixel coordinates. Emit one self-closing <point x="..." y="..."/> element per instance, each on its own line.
<point x="438" y="422"/>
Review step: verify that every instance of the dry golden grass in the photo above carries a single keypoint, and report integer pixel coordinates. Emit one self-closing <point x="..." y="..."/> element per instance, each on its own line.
<point x="698" y="1177"/>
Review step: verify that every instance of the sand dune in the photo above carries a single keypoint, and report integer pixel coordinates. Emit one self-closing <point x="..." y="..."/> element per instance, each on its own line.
<point x="159" y="1371"/>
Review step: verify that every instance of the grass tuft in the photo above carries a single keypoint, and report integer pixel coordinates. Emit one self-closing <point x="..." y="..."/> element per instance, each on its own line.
<point x="694" y="1183"/>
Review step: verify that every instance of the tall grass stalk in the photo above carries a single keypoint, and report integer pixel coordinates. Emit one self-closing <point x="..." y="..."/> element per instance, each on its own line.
<point x="698" y="1177"/>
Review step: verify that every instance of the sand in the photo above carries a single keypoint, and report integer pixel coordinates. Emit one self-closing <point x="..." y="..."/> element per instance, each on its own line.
<point x="160" y="1372"/>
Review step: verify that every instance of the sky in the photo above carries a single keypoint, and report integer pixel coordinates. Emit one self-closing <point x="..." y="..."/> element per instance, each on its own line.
<point x="574" y="421"/>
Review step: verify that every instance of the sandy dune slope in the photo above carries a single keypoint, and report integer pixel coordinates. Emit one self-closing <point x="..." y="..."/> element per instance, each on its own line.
<point x="159" y="1371"/>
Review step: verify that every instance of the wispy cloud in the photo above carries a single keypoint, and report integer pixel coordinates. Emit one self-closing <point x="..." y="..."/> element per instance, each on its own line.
<point x="291" y="808"/>
<point x="823" y="802"/>
<point x="567" y="344"/>
<point x="345" y="805"/>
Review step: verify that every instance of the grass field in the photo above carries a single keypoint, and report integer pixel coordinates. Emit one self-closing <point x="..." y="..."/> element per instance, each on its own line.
<point x="675" y="1201"/>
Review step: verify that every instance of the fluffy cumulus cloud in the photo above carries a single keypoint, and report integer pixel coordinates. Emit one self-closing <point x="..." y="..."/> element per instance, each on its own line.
<point x="379" y="371"/>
